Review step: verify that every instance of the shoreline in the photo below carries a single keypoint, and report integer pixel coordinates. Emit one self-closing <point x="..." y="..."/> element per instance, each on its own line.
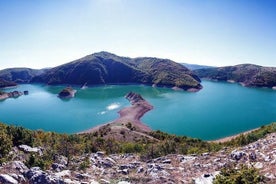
<point x="131" y="114"/>
<point x="231" y="137"/>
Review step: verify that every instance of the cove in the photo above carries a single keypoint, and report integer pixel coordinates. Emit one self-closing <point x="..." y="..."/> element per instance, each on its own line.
<point x="218" y="110"/>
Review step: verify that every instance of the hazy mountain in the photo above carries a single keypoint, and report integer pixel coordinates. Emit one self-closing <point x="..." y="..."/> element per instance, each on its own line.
<point x="195" y="66"/>
<point x="247" y="74"/>
<point x="20" y="75"/>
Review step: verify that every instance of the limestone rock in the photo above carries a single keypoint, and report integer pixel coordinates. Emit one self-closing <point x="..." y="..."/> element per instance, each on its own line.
<point x="237" y="155"/>
<point x="29" y="149"/>
<point x="7" y="179"/>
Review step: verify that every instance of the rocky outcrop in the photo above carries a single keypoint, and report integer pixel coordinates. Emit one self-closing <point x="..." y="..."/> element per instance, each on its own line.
<point x="67" y="92"/>
<point x="7" y="179"/>
<point x="131" y="168"/>
<point x="29" y="149"/>
<point x="36" y="176"/>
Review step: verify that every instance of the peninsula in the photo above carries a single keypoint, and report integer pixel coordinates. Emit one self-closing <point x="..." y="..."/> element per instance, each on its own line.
<point x="128" y="121"/>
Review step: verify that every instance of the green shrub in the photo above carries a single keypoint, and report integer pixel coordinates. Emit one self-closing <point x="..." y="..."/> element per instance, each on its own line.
<point x="244" y="175"/>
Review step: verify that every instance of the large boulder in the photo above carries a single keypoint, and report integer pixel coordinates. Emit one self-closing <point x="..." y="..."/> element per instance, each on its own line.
<point x="28" y="149"/>
<point x="36" y="176"/>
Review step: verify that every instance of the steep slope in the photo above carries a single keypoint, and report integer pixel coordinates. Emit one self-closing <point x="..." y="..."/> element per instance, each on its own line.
<point x="19" y="75"/>
<point x="246" y="74"/>
<point x="107" y="68"/>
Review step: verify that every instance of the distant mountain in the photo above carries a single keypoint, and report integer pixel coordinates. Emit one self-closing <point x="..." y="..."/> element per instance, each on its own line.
<point x="107" y="68"/>
<point x="246" y="74"/>
<point x="20" y="75"/>
<point x="4" y="83"/>
<point x="195" y="66"/>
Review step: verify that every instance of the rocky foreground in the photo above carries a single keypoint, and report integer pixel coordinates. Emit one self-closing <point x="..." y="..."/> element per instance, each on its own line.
<point x="130" y="168"/>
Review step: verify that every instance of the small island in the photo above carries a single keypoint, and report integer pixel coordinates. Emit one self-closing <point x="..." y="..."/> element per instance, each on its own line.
<point x="67" y="92"/>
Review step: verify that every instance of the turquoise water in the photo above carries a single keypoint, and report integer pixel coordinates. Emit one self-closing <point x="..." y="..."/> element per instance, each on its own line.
<point x="218" y="110"/>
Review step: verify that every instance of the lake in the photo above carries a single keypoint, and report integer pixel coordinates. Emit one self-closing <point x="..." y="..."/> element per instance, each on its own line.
<point x="218" y="110"/>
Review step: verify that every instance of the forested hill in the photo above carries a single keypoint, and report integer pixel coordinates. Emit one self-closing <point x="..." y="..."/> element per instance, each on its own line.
<point x="107" y="68"/>
<point x="20" y="75"/>
<point x="4" y="83"/>
<point x="246" y="74"/>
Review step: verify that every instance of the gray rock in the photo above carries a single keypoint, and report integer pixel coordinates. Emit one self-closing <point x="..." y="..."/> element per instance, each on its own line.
<point x="237" y="155"/>
<point x="124" y="171"/>
<point x="69" y="181"/>
<point x="252" y="156"/>
<point x="20" y="166"/>
<point x="105" y="181"/>
<point x="20" y="178"/>
<point x="127" y="166"/>
<point x="106" y="164"/>
<point x="123" y="182"/>
<point x="110" y="160"/>
<point x="140" y="170"/>
<point x="167" y="161"/>
<point x="82" y="176"/>
<point x="206" y="178"/>
<point x="37" y="176"/>
<point x="60" y="159"/>
<point x="32" y="171"/>
<point x="58" y="167"/>
<point x="205" y="154"/>
<point x="258" y="165"/>
<point x="100" y="154"/>
<point x="28" y="149"/>
<point x="7" y="179"/>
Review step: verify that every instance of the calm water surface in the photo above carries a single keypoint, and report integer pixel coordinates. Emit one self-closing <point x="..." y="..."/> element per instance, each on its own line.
<point x="218" y="110"/>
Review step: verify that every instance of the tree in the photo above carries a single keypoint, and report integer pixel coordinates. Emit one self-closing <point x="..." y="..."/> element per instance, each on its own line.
<point x="5" y="144"/>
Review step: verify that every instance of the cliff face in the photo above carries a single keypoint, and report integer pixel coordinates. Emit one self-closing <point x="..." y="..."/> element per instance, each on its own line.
<point x="107" y="68"/>
<point x="246" y="74"/>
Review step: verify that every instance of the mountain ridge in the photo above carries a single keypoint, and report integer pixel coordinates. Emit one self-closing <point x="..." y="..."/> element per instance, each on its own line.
<point x="106" y="68"/>
<point x="249" y="75"/>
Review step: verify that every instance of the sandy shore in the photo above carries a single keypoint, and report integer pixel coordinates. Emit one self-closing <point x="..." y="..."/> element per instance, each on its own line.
<point x="229" y="138"/>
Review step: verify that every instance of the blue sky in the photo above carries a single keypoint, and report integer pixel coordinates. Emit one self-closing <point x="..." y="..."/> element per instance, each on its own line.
<point x="47" y="33"/>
